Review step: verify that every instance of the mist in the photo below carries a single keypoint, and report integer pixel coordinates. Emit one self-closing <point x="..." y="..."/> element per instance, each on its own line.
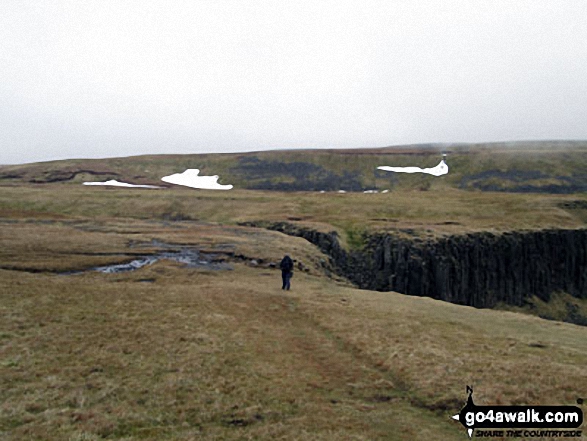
<point x="103" y="79"/>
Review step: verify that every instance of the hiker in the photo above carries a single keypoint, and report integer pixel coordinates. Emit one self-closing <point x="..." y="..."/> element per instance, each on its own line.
<point x="286" y="266"/>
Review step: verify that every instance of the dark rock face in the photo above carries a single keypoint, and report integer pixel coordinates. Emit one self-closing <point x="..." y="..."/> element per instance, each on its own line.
<point x="477" y="269"/>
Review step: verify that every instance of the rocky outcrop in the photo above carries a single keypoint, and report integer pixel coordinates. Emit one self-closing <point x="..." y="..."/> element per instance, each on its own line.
<point x="68" y="175"/>
<point x="476" y="269"/>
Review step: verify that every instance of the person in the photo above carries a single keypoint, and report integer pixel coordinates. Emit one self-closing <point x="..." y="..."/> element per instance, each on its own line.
<point x="286" y="266"/>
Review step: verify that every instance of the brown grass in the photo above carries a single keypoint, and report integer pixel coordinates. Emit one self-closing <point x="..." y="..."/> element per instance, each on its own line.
<point x="449" y="212"/>
<point x="227" y="355"/>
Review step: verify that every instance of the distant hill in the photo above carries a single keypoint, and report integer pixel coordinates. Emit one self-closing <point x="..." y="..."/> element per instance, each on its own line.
<point x="558" y="167"/>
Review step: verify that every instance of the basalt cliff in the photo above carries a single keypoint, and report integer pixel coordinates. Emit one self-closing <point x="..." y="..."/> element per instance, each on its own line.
<point x="477" y="269"/>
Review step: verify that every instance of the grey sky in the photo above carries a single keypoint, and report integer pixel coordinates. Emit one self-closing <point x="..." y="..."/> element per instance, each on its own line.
<point x="119" y="77"/>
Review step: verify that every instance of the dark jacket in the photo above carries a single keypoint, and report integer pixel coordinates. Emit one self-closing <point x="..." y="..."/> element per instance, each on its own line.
<point x="286" y="264"/>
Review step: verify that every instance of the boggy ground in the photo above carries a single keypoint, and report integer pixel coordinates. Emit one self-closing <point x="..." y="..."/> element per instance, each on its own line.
<point x="168" y="352"/>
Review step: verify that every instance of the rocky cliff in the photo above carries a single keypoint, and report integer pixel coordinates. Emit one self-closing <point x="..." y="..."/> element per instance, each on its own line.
<point x="476" y="269"/>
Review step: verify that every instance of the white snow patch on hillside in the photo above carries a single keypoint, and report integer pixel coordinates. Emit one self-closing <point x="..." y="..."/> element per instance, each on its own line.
<point x="115" y="183"/>
<point x="190" y="178"/>
<point x="439" y="170"/>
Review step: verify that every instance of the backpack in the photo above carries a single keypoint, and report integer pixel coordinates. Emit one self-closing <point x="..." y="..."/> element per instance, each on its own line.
<point x="286" y="264"/>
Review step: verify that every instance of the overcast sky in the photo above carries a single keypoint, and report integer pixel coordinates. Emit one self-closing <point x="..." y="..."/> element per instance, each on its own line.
<point x="119" y="77"/>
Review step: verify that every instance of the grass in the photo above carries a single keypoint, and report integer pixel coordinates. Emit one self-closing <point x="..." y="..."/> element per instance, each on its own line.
<point x="558" y="162"/>
<point x="221" y="355"/>
<point x="561" y="306"/>
<point x="194" y="355"/>
<point x="451" y="212"/>
<point x="175" y="353"/>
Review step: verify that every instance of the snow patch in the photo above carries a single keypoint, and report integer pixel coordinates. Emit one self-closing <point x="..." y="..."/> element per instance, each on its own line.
<point x="190" y="178"/>
<point x="439" y="170"/>
<point x="115" y="183"/>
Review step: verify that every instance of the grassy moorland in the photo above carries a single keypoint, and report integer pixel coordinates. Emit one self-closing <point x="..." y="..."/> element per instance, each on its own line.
<point x="168" y="352"/>
<point x="450" y="211"/>
<point x="543" y="166"/>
